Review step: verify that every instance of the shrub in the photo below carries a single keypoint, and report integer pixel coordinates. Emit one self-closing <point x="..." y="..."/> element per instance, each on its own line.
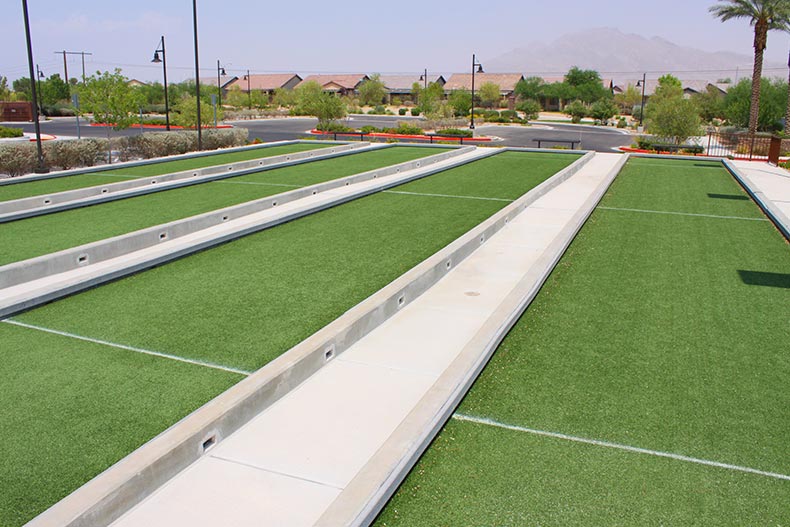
<point x="644" y="143"/>
<point x="577" y="110"/>
<point x="6" y="132"/>
<point x="18" y="158"/>
<point x="509" y="114"/>
<point x="415" y="112"/>
<point x="408" y="129"/>
<point x="621" y="123"/>
<point x="75" y="153"/>
<point x="377" y="110"/>
<point x="455" y="132"/>
<point x="333" y="126"/>
<point x="402" y="111"/>
<point x="369" y="129"/>
<point x="530" y="107"/>
<point x="59" y="110"/>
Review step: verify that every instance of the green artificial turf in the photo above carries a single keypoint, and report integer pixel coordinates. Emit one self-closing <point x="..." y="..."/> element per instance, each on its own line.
<point x="105" y="177"/>
<point x="72" y="408"/>
<point x="240" y="305"/>
<point x="665" y="332"/>
<point x="31" y="237"/>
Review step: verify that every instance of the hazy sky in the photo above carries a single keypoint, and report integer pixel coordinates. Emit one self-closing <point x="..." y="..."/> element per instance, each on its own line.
<point x="323" y="36"/>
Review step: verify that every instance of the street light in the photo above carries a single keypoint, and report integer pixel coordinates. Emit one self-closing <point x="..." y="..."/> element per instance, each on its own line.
<point x="479" y="70"/>
<point x="41" y="169"/>
<point x="39" y="76"/>
<point x="220" y="73"/>
<point x="424" y="78"/>
<point x="163" y="60"/>
<point x="249" y="90"/>
<point x="643" y="83"/>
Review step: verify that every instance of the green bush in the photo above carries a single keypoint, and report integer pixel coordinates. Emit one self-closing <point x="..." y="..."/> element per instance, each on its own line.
<point x="415" y="112"/>
<point x="18" y="158"/>
<point x="377" y="110"/>
<point x="6" y="132"/>
<point x="401" y="111"/>
<point x="621" y="123"/>
<point x="530" y="107"/>
<point x="408" y="129"/>
<point x="333" y="126"/>
<point x="644" y="143"/>
<point x="455" y="132"/>
<point x="693" y="149"/>
<point x="154" y="108"/>
<point x="509" y="114"/>
<point x="59" y="110"/>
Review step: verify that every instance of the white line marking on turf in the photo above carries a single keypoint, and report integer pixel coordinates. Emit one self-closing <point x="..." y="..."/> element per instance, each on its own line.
<point x="256" y="183"/>
<point x="445" y="196"/>
<point x="130" y="348"/>
<point x="627" y="448"/>
<point x="685" y="214"/>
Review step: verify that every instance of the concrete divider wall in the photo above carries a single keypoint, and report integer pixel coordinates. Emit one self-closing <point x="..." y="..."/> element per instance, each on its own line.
<point x="48" y="203"/>
<point x="153" y="161"/>
<point x="110" y="494"/>
<point x="63" y="261"/>
<point x="779" y="219"/>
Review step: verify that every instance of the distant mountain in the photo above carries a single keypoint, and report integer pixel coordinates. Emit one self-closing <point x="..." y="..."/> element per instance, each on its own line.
<point x="620" y="56"/>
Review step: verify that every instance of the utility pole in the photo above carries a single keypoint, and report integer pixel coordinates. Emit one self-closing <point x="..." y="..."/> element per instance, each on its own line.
<point x="197" y="73"/>
<point x="65" y="64"/>
<point x="41" y="168"/>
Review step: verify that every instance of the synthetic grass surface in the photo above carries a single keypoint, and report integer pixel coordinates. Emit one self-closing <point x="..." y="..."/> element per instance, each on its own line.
<point x="27" y="238"/>
<point x="106" y="177"/>
<point x="664" y="332"/>
<point x="72" y="408"/>
<point x="243" y="303"/>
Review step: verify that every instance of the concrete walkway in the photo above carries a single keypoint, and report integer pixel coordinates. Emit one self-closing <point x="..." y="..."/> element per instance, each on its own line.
<point x="332" y="450"/>
<point x="771" y="186"/>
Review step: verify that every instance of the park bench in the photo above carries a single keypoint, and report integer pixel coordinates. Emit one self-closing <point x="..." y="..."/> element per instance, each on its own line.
<point x="360" y="134"/>
<point x="571" y="142"/>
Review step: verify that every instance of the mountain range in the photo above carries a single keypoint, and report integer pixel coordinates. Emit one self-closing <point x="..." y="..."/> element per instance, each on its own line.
<point x="620" y="55"/>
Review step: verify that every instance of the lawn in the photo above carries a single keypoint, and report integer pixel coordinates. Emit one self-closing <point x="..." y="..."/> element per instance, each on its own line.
<point x="238" y="305"/>
<point x="105" y="177"/>
<point x="659" y="331"/>
<point x="27" y="238"/>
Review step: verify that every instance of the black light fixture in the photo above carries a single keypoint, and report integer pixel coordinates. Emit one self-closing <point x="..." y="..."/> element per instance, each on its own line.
<point x="424" y="78"/>
<point x="220" y="73"/>
<point x="197" y="73"/>
<point x="163" y="60"/>
<point x="642" y="83"/>
<point x="479" y="70"/>
<point x="39" y="76"/>
<point x="40" y="169"/>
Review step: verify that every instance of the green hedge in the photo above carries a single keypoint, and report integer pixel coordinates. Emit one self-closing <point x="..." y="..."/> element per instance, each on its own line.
<point x="6" y="132"/>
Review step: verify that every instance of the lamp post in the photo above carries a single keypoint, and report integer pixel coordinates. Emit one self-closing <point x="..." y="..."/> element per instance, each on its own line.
<point x="479" y="70"/>
<point x="643" y="82"/>
<point x="163" y="60"/>
<point x="249" y="90"/>
<point x="39" y="76"/>
<point x="197" y="74"/>
<point x="41" y="169"/>
<point x="220" y="73"/>
<point x="424" y="79"/>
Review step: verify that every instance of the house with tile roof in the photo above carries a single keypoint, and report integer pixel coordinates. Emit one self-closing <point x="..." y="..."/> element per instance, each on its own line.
<point x="224" y="81"/>
<point x="506" y="81"/>
<point x="265" y="82"/>
<point x="400" y="86"/>
<point x="339" y="84"/>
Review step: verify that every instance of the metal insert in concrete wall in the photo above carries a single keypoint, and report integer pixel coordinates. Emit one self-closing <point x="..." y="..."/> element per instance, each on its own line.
<point x="118" y="489"/>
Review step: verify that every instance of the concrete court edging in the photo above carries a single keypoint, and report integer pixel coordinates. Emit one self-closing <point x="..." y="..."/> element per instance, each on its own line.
<point x="366" y="495"/>
<point x="69" y="259"/>
<point x="779" y="218"/>
<point x="116" y="490"/>
<point x="72" y="199"/>
<point x="128" y="164"/>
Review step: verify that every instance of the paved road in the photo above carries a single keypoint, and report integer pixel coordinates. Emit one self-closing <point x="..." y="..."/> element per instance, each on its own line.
<point x="592" y="137"/>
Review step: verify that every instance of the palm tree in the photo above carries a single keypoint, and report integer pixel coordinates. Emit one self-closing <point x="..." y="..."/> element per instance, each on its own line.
<point x="764" y="15"/>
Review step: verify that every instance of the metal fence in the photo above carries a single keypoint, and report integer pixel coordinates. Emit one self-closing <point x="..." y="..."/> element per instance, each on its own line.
<point x="739" y="145"/>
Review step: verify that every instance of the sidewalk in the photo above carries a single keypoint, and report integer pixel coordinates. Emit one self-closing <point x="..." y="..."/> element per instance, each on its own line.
<point x="331" y="451"/>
